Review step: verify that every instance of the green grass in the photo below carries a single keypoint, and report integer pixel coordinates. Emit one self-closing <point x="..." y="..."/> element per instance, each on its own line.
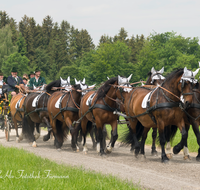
<point x="12" y="160"/>
<point x="192" y="141"/>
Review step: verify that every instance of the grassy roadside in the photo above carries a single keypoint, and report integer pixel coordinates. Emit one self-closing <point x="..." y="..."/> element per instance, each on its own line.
<point x="22" y="170"/>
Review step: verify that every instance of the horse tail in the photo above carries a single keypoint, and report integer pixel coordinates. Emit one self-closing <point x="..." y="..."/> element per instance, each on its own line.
<point x="26" y="128"/>
<point x="127" y="136"/>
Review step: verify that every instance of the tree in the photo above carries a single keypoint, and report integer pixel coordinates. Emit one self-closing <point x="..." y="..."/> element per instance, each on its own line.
<point x="6" y="45"/>
<point x="21" y="45"/>
<point x="4" y="19"/>
<point x="15" y="60"/>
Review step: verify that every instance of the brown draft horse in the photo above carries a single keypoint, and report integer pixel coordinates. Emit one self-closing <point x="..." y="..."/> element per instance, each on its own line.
<point x="154" y="78"/>
<point x="34" y="115"/>
<point x="192" y="117"/>
<point x="164" y="109"/>
<point x="100" y="111"/>
<point x="17" y="110"/>
<point x="62" y="117"/>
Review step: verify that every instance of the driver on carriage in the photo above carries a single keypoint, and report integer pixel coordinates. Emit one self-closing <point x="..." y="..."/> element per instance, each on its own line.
<point x="14" y="82"/>
<point x="37" y="81"/>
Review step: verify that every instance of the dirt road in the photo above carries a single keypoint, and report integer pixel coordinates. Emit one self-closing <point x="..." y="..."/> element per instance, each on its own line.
<point x="149" y="173"/>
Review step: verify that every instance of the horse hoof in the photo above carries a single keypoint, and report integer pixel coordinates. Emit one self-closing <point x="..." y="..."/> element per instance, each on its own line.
<point x="108" y="151"/>
<point x="21" y="137"/>
<point x="58" y="149"/>
<point x="103" y="154"/>
<point x="198" y="158"/>
<point x="17" y="139"/>
<point x="187" y="157"/>
<point x="46" y="138"/>
<point x="169" y="155"/>
<point x="165" y="161"/>
<point x="34" y="144"/>
<point x="37" y="136"/>
<point x="154" y="153"/>
<point x="85" y="152"/>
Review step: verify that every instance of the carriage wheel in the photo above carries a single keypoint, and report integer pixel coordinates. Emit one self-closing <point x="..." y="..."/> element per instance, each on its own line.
<point x="7" y="128"/>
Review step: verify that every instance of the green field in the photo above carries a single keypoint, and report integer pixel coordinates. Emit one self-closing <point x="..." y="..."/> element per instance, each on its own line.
<point x="22" y="170"/>
<point x="192" y="141"/>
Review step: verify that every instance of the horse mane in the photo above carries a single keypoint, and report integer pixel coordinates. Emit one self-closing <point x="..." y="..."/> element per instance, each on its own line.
<point x="171" y="75"/>
<point x="55" y="83"/>
<point x="149" y="77"/>
<point x="103" y="90"/>
<point x="77" y="86"/>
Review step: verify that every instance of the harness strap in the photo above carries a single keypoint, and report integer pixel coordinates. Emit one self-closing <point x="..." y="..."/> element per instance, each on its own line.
<point x="158" y="106"/>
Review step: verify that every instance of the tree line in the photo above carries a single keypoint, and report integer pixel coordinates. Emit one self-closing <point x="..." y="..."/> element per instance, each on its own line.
<point x="62" y="50"/>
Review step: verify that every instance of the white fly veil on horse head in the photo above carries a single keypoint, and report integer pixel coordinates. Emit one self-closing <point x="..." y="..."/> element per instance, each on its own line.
<point x="156" y="75"/>
<point x="189" y="75"/>
<point x="123" y="81"/>
<point x="79" y="82"/>
<point x="65" y="83"/>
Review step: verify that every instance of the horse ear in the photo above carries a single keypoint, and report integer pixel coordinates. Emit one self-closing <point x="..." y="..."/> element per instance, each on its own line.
<point x="195" y="72"/>
<point x="161" y="70"/>
<point x="153" y="70"/>
<point x="108" y="78"/>
<point x="83" y="81"/>
<point x="185" y="70"/>
<point x="119" y="80"/>
<point x="129" y="78"/>
<point x="34" y="87"/>
<point x="61" y="80"/>
<point x="68" y="79"/>
<point x="75" y="81"/>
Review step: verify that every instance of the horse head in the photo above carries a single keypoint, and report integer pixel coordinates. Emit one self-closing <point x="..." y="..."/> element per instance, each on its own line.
<point x="155" y="77"/>
<point x="84" y="87"/>
<point x="187" y="83"/>
<point x="123" y="86"/>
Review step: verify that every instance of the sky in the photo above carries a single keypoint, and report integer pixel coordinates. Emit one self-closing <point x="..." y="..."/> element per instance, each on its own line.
<point x="107" y="17"/>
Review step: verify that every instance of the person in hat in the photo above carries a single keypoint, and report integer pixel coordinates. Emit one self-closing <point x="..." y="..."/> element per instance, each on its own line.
<point x="14" y="81"/>
<point x="32" y="74"/>
<point x="37" y="80"/>
<point x="25" y="81"/>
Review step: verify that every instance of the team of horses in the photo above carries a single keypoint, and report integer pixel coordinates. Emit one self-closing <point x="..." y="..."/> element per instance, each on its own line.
<point x="164" y="104"/>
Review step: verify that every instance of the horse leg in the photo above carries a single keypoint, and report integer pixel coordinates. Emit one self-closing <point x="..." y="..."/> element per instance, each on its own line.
<point x="37" y="131"/>
<point x="84" y="123"/>
<point x="168" y="146"/>
<point x="92" y="133"/>
<point x="144" y="137"/>
<point x="100" y="140"/>
<point x="34" y="144"/>
<point x="153" y="148"/>
<point x="182" y="144"/>
<point x="104" y="136"/>
<point x="195" y="127"/>
<point x="72" y="131"/>
<point x="49" y="128"/>
<point x="161" y="126"/>
<point x="16" y="129"/>
<point x="114" y="137"/>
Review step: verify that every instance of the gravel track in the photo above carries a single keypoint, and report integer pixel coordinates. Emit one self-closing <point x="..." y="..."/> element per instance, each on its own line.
<point x="149" y="173"/>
